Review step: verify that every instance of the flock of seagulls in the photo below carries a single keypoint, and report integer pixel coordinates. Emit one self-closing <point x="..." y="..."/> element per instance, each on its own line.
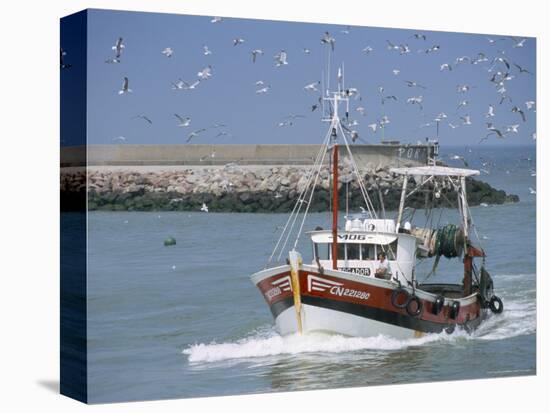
<point x="500" y="67"/>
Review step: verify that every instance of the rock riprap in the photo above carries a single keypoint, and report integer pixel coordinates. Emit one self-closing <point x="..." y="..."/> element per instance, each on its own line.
<point x="235" y="188"/>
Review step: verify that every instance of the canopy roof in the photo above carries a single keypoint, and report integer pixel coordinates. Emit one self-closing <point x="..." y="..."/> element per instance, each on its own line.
<point x="434" y="171"/>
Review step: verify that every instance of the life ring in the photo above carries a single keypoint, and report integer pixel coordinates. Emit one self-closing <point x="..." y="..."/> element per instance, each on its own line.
<point x="455" y="308"/>
<point x="411" y="310"/>
<point x="437" y="306"/>
<point x="494" y="308"/>
<point x="395" y="296"/>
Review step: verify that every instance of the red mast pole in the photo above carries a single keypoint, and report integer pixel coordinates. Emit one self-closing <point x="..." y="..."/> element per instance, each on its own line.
<point x="335" y="207"/>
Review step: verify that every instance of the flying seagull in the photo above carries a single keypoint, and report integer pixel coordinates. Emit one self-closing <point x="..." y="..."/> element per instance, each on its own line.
<point x="168" y="52"/>
<point x="216" y="20"/>
<point x="521" y="69"/>
<point x="206" y="50"/>
<point x="255" y="53"/>
<point x="328" y="39"/>
<point x="512" y="128"/>
<point x="144" y="117"/>
<point x="183" y="122"/>
<point x="490" y="112"/>
<point x="411" y="83"/>
<point x="530" y="104"/>
<point x="466" y="120"/>
<point x="194" y="134"/>
<point x="265" y="89"/>
<point x="367" y="49"/>
<point x="445" y="66"/>
<point x="237" y="41"/>
<point x="205" y="73"/>
<point x="415" y="100"/>
<point x="432" y="49"/>
<point x="419" y="36"/>
<point x="312" y="87"/>
<point x="204" y="207"/>
<point x="280" y="59"/>
<point x="515" y="109"/>
<point x="125" y="88"/>
<point x="119" y="45"/>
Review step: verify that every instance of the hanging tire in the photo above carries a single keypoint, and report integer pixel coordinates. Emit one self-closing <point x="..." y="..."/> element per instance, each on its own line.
<point x="495" y="304"/>
<point x="437" y="306"/>
<point x="395" y="296"/>
<point x="415" y="309"/>
<point x="455" y="308"/>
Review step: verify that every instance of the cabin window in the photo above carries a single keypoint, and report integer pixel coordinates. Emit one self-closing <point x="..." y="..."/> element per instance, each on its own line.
<point x="322" y="250"/>
<point x="367" y="252"/>
<point x="353" y="251"/>
<point x="391" y="251"/>
<point x="341" y="251"/>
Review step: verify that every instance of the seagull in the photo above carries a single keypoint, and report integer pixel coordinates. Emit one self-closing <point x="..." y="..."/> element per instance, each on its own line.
<point x="373" y="126"/>
<point x="119" y="45"/>
<point x="120" y="139"/>
<point x="265" y="89"/>
<point x="194" y="134"/>
<point x="168" y="52"/>
<point x="206" y="50"/>
<point x="259" y="82"/>
<point x="463" y="88"/>
<point x="237" y="41"/>
<point x="532" y="191"/>
<point x="530" y="104"/>
<point x="461" y="104"/>
<point x="434" y="48"/>
<point x="392" y="46"/>
<point x="125" y="88"/>
<point x="112" y="60"/>
<point x="445" y="66"/>
<point x="419" y="36"/>
<point x="183" y="122"/>
<point x="346" y="30"/>
<point x="144" y="117"/>
<point x="415" y="100"/>
<point x="255" y="53"/>
<point x="367" y="49"/>
<point x="64" y="65"/>
<point x="490" y="112"/>
<point x="205" y="73"/>
<point x="501" y="60"/>
<point x="216" y="20"/>
<point x="361" y="110"/>
<point x="312" y="87"/>
<point x="462" y="59"/>
<point x="440" y="117"/>
<point x="384" y="98"/>
<point x="466" y="120"/>
<point x="521" y="69"/>
<point x="494" y="130"/>
<point x="512" y="128"/>
<point x="404" y="49"/>
<point x="411" y="83"/>
<point x="204" y="207"/>
<point x="396" y="72"/>
<point x="480" y="58"/>
<point x="518" y="43"/>
<point x="384" y="120"/>
<point x="280" y="58"/>
<point x="182" y="84"/>
<point x="328" y="39"/>
<point x="306" y="50"/>
<point x="452" y="126"/>
<point x="461" y="158"/>
<point x="515" y="109"/>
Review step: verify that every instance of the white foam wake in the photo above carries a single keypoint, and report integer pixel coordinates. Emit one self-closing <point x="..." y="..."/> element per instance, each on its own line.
<point x="273" y="344"/>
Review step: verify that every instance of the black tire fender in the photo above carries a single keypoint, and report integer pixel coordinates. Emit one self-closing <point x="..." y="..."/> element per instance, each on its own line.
<point x="495" y="304"/>
<point x="455" y="308"/>
<point x="410" y="309"/>
<point x="395" y="296"/>
<point x="438" y="304"/>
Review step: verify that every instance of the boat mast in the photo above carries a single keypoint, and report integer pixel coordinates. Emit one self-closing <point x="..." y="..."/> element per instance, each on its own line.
<point x="335" y="206"/>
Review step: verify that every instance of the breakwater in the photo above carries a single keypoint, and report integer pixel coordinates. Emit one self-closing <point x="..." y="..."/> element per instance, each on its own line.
<point x="240" y="188"/>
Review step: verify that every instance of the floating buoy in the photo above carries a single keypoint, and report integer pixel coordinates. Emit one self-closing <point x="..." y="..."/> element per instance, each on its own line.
<point x="169" y="241"/>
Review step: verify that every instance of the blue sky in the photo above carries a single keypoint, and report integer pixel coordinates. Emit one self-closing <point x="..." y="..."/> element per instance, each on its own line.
<point x="229" y="96"/>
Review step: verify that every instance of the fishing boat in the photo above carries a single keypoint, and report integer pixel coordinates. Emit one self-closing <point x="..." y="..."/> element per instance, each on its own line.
<point x="362" y="280"/>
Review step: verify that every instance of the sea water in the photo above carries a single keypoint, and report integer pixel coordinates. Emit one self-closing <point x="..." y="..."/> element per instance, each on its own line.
<point x="186" y="321"/>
